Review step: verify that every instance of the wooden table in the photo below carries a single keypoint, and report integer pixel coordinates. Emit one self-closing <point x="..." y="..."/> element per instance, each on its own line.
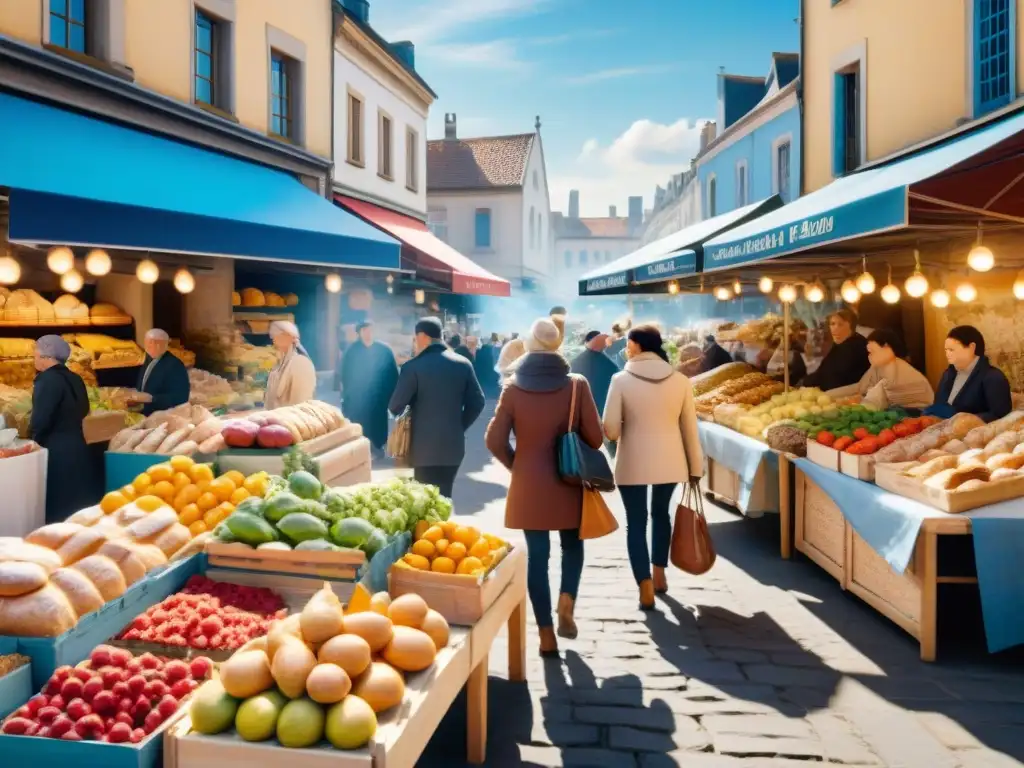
<point x="909" y="599"/>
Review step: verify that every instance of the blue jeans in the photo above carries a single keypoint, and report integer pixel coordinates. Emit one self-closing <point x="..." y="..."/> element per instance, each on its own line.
<point x="634" y="498"/>
<point x="538" y="586"/>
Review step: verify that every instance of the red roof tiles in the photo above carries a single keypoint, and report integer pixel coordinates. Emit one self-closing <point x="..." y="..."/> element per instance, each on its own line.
<point x="484" y="163"/>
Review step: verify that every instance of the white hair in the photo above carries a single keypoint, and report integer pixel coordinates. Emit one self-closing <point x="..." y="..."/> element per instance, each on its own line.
<point x="284" y="326"/>
<point x="158" y="334"/>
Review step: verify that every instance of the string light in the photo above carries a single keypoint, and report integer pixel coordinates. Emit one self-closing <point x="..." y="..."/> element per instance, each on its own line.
<point x="389" y="279"/>
<point x="722" y="293"/>
<point x="60" y="259"/>
<point x="97" y="263"/>
<point x="980" y="259"/>
<point x="787" y="294"/>
<point x="673" y="288"/>
<point x="966" y="292"/>
<point x="333" y="283"/>
<point x="420" y="296"/>
<point x="737" y="287"/>
<point x="183" y="281"/>
<point x="815" y="292"/>
<point x="939" y="298"/>
<point x="765" y="284"/>
<point x="72" y="281"/>
<point x="391" y="289"/>
<point x="917" y="283"/>
<point x="849" y="292"/>
<point x="890" y="293"/>
<point x="147" y="272"/>
<point x="866" y="281"/>
<point x="1018" y="287"/>
<point x="10" y="270"/>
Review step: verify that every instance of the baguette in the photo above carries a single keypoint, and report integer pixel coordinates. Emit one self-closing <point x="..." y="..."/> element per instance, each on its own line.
<point x="214" y="444"/>
<point x="934" y="453"/>
<point x="982" y="435"/>
<point x="185" y="448"/>
<point x="951" y="479"/>
<point x="1002" y="474"/>
<point x="1003" y="443"/>
<point x="172" y="440"/>
<point x="84" y="543"/>
<point x="1005" y="461"/>
<point x="135" y="438"/>
<point x="206" y="430"/>
<point x="933" y="467"/>
<point x="153" y="440"/>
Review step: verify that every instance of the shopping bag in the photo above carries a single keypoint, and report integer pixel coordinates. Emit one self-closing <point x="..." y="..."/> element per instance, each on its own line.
<point x="400" y="438"/>
<point x="578" y="463"/>
<point x="596" y="520"/>
<point x="692" y="549"/>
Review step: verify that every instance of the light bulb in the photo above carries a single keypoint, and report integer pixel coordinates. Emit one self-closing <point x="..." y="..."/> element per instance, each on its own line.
<point x="147" y="272"/>
<point x="787" y="294"/>
<point x="60" y="259"/>
<point x="10" y="270"/>
<point x="333" y="283"/>
<point x="981" y="259"/>
<point x="849" y="292"/>
<point x="916" y="285"/>
<point x="814" y="293"/>
<point x="72" y="281"/>
<point x="183" y="281"/>
<point x="1018" y="287"/>
<point x="97" y="263"/>
<point x="722" y="293"/>
<point x="765" y="284"/>
<point x="939" y="298"/>
<point x="966" y="292"/>
<point x="391" y="289"/>
<point x="420" y="296"/>
<point x="866" y="283"/>
<point x="673" y="287"/>
<point x="890" y="293"/>
<point x="390" y="279"/>
<point x="737" y="287"/>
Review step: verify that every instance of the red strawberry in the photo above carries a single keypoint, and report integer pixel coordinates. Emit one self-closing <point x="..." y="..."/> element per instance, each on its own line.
<point x="153" y="721"/>
<point x="72" y="689"/>
<point x="176" y="670"/>
<point x="136" y="684"/>
<point x="182" y="688"/>
<point x="121" y="690"/>
<point x="119" y="657"/>
<point x="71" y="736"/>
<point x="126" y="718"/>
<point x="16" y="726"/>
<point x="202" y="642"/>
<point x="77" y="709"/>
<point x="142" y="706"/>
<point x="155" y="689"/>
<point x="149" y="661"/>
<point x="134" y="667"/>
<point x="90" y="727"/>
<point x="23" y="711"/>
<point x="126" y="704"/>
<point x="138" y="735"/>
<point x="61" y="725"/>
<point x="83" y="673"/>
<point x="201" y="667"/>
<point x="63" y="673"/>
<point x="112" y="675"/>
<point x="58" y="702"/>
<point x="105" y="702"/>
<point x="100" y="656"/>
<point x="94" y="686"/>
<point x="46" y="715"/>
<point x="168" y="706"/>
<point x="37" y="702"/>
<point x="119" y="733"/>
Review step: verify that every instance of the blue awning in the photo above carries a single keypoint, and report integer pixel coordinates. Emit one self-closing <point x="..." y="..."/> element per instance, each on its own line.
<point x="671" y="257"/>
<point x="866" y="203"/>
<point x="76" y="180"/>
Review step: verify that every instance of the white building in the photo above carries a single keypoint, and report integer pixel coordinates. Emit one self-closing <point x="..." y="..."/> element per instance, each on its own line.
<point x="487" y="197"/>
<point x="582" y="243"/>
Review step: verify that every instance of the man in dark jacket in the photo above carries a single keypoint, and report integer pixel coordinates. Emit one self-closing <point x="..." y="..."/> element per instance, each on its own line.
<point x="164" y="377"/>
<point x="459" y="348"/>
<point x="445" y="399"/>
<point x="617" y="345"/>
<point x="595" y="366"/>
<point x="484" y="365"/>
<point x="847" y="360"/>
<point x="714" y="355"/>
<point x="368" y="377"/>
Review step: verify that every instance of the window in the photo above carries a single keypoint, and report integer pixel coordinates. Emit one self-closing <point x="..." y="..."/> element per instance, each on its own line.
<point x="282" y="100"/>
<point x="583" y="258"/>
<point x="782" y="170"/>
<point x="412" y="140"/>
<point x="206" y="60"/>
<point x="712" y="193"/>
<point x="437" y="223"/>
<point x="384" y="146"/>
<point x="847" y="127"/>
<point x="568" y="259"/>
<point x="482" y="228"/>
<point x="533" y="228"/>
<point x="741" y="183"/>
<point x="994" y="60"/>
<point x="68" y="24"/>
<point x="355" y="130"/>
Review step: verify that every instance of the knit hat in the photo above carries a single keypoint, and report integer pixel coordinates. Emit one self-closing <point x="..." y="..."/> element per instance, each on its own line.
<point x="510" y="354"/>
<point x="544" y="336"/>
<point x="54" y="348"/>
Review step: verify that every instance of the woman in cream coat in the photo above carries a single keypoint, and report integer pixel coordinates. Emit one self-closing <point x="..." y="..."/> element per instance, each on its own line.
<point x="650" y="412"/>
<point x="293" y="379"/>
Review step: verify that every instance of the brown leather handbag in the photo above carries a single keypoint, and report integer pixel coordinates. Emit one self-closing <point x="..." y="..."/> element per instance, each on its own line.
<point x="692" y="549"/>
<point x="596" y="520"/>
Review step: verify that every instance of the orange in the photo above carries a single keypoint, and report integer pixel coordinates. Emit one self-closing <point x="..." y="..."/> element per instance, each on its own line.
<point x="181" y="463"/>
<point x="493" y="541"/>
<point x="198" y="527"/>
<point x="150" y="503"/>
<point x="212" y="517"/>
<point x="441" y="545"/>
<point x="112" y="502"/>
<point x="480" y="548"/>
<point x="420" y="529"/>
<point x="201" y="472"/>
<point x="160" y="472"/>
<point x="180" y="480"/>
<point x="189" y="514"/>
<point x="222" y="488"/>
<point x="443" y="565"/>
<point x="448" y="526"/>
<point x="239" y="496"/>
<point x="237" y="478"/>
<point x="207" y="501"/>
<point x="256" y="484"/>
<point x="423" y="548"/>
<point x="164" y="489"/>
<point x="129" y="492"/>
<point x="433" y="533"/>
<point x="469" y="565"/>
<point x="185" y="496"/>
<point x="466" y="535"/>
<point x="456" y="551"/>
<point x="142" y="482"/>
<point x="418" y="562"/>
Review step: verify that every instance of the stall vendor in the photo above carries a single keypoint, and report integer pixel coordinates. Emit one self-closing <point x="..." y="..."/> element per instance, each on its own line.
<point x="847" y="360"/>
<point x="164" y="377"/>
<point x="891" y="380"/>
<point x="714" y="355"/>
<point x="60" y="403"/>
<point x="971" y="384"/>
<point x="292" y="380"/>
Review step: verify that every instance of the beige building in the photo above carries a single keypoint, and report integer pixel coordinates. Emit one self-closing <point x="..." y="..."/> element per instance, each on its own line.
<point x="583" y="243"/>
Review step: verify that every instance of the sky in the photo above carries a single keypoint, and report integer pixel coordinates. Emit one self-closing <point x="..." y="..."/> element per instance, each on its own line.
<point x="621" y="88"/>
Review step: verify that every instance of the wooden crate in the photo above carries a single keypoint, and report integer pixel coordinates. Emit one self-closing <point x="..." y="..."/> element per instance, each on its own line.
<point x="309" y="563"/>
<point x="820" y="531"/>
<point x="822" y="455"/>
<point x="891" y="478"/>
<point x="725" y="486"/>
<point x="860" y="467"/>
<point x="402" y="733"/>
<point x="872" y="579"/>
<point x="460" y="599"/>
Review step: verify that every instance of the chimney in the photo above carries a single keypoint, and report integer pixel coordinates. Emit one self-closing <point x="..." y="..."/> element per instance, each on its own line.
<point x="358" y="8"/>
<point x="574" y="204"/>
<point x="405" y="52"/>
<point x="636" y="213"/>
<point x="449" y="126"/>
<point x="611" y="211"/>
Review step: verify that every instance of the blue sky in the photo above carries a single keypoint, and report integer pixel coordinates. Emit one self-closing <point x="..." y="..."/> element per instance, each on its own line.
<point x="620" y="86"/>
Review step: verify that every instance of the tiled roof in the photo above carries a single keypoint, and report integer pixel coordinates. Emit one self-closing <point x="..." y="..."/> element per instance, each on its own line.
<point x="579" y="229"/>
<point x="484" y="163"/>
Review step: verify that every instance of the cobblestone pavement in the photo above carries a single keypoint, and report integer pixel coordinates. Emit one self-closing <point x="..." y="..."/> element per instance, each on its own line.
<point x="759" y="664"/>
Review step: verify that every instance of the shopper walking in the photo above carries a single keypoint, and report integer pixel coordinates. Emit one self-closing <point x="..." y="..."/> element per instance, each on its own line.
<point x="368" y="377"/>
<point x="651" y="413"/>
<point x="535" y="407"/>
<point x="445" y="399"/>
<point x="485" y="365"/>
<point x="598" y="369"/>
<point x="293" y="379"/>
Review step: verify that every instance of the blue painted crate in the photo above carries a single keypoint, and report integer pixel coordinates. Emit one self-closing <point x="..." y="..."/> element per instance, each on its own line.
<point x="48" y="653"/>
<point x="375" y="573"/>
<point x="122" y="468"/>
<point x="15" y="689"/>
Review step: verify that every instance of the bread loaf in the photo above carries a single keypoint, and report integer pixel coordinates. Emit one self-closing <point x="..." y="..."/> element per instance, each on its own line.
<point x="1005" y="461"/>
<point x="934" y="453"/>
<point x="955" y="447"/>
<point x="951" y="479"/>
<point x="152" y="524"/>
<point x="206" y="430"/>
<point x="20" y="578"/>
<point x="1000" y="474"/>
<point x="172" y="538"/>
<point x="150" y="554"/>
<point x="54" y="535"/>
<point x="78" y="588"/>
<point x="153" y="440"/>
<point x="105" y="574"/>
<point x="47" y="612"/>
<point x="933" y="467"/>
<point x="118" y="441"/>
<point x="213" y="444"/>
<point x="970" y="456"/>
<point x="84" y="543"/>
<point x="131" y="565"/>
<point x="87" y="517"/>
<point x="1003" y="443"/>
<point x="185" y="448"/>
<point x="982" y="435"/>
<point x="971" y="485"/>
<point x="19" y="550"/>
<point x="172" y="440"/>
<point x="134" y="439"/>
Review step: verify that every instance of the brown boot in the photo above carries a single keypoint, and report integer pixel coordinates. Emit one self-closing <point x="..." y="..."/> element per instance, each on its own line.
<point x="660" y="580"/>
<point x="548" y="642"/>
<point x="566" y="623"/>
<point x="647" y="594"/>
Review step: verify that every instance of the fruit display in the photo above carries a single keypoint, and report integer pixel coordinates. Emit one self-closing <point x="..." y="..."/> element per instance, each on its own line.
<point x="393" y="506"/>
<point x="448" y="547"/>
<point x="208" y="615"/>
<point x="861" y="431"/>
<point x="64" y="571"/>
<point x="106" y="351"/>
<point x="200" y="500"/>
<point x="112" y="696"/>
<point x="324" y="674"/>
<point x="282" y="427"/>
<point x="179" y="431"/>
<point x="705" y="382"/>
<point x="795" y="406"/>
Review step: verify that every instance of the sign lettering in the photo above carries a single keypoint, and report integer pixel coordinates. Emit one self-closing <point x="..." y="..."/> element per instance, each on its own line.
<point x="784" y="237"/>
<point x="607" y="282"/>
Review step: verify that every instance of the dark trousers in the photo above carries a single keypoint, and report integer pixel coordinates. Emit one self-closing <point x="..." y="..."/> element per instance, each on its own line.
<point x="538" y="585"/>
<point x="634" y="498"/>
<point x="442" y="477"/>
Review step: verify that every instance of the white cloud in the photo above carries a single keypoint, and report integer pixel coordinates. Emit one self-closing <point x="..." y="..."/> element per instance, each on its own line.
<point x="496" y="54"/>
<point x="645" y="155"/>
<point x="435" y="21"/>
<point x="618" y="73"/>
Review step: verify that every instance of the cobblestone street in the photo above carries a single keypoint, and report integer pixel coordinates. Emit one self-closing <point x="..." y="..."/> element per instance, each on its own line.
<point x="760" y="663"/>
